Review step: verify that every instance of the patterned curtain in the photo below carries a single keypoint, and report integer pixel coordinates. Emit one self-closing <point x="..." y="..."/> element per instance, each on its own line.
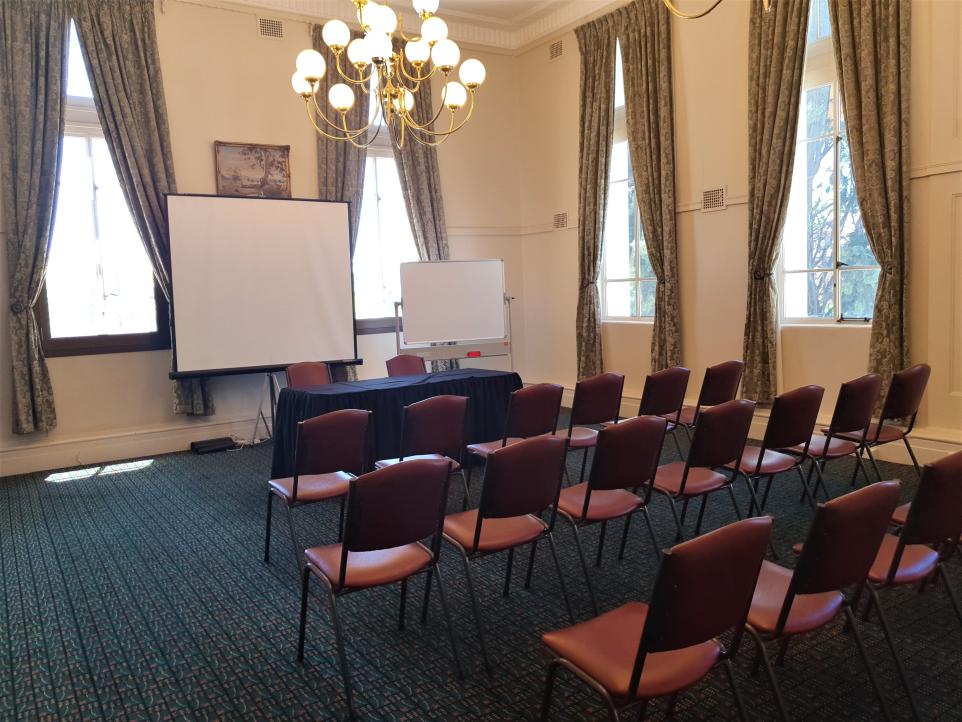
<point x="119" y="45"/>
<point x="596" y="41"/>
<point x="645" y="37"/>
<point x="777" y="52"/>
<point x="872" y="42"/>
<point x="340" y="166"/>
<point x="33" y="72"/>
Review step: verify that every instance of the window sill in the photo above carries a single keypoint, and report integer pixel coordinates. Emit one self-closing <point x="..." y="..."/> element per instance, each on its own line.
<point x="630" y="321"/>
<point x="824" y="324"/>
<point x="94" y="345"/>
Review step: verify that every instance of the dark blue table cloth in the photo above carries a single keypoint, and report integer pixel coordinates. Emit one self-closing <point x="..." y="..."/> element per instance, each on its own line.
<point x="488" y="391"/>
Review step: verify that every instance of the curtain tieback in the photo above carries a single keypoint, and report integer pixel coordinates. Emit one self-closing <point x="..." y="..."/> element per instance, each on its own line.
<point x="585" y="286"/>
<point x="761" y="276"/>
<point x="888" y="270"/>
<point x="17" y="307"/>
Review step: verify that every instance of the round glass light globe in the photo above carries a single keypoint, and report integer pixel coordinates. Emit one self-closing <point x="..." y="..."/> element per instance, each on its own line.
<point x="336" y="34"/>
<point x="357" y="52"/>
<point x="445" y="53"/>
<point x="310" y="64"/>
<point x="300" y="84"/>
<point x="341" y="97"/>
<point x="434" y="29"/>
<point x="426" y="7"/>
<point x="380" y="19"/>
<point x="417" y="51"/>
<point x="455" y="96"/>
<point x="379" y="46"/>
<point x="472" y="72"/>
<point x="365" y="13"/>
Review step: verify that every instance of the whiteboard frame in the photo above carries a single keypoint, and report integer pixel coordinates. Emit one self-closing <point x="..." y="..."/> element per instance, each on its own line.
<point x="175" y="374"/>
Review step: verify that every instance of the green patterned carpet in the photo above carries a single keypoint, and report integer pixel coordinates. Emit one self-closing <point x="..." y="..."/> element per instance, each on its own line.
<point x="137" y="591"/>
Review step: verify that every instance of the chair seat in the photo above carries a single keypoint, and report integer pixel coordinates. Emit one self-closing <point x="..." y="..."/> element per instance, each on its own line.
<point x="668" y="429"/>
<point x="369" y="569"/>
<point x="772" y="462"/>
<point x="917" y="562"/>
<point x="496" y="534"/>
<point x="486" y="448"/>
<point x="686" y="418"/>
<point x="888" y="434"/>
<point x="605" y="648"/>
<point x="605" y="503"/>
<point x="312" y="487"/>
<point x="809" y="611"/>
<point x="817" y="447"/>
<point x="700" y="480"/>
<point x="455" y="466"/>
<point x="900" y="514"/>
<point x="581" y="437"/>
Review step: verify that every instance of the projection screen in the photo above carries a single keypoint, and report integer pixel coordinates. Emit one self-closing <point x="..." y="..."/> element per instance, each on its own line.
<point x="259" y="283"/>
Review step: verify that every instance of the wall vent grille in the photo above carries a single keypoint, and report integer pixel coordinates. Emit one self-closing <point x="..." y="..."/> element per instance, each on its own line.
<point x="714" y="199"/>
<point x="556" y="50"/>
<point x="270" y="28"/>
<point x="560" y="220"/>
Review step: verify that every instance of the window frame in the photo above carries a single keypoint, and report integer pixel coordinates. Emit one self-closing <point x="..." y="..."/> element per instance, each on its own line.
<point x="81" y="121"/>
<point x="820" y="52"/>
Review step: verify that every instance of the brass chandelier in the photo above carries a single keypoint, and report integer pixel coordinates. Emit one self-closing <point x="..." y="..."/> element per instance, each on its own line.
<point x="397" y="77"/>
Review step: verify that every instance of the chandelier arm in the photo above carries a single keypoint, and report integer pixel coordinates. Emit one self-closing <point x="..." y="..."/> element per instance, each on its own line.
<point x="452" y="129"/>
<point x="317" y="110"/>
<point x="362" y="81"/>
<point x="414" y="78"/>
<point x="419" y="126"/>
<point x="350" y="139"/>
<point x="689" y="16"/>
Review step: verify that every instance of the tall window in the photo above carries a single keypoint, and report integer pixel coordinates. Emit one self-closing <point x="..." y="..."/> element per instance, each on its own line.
<point x="100" y="295"/>
<point x="627" y="279"/>
<point x="828" y="270"/>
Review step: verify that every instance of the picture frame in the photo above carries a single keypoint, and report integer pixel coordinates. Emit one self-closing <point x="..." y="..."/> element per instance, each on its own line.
<point x="252" y="170"/>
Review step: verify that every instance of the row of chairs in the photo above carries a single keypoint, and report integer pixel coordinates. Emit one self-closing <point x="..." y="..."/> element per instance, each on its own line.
<point x="307" y="374"/>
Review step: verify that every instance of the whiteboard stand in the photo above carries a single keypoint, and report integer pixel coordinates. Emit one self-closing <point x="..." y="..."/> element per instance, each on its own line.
<point x="270" y="388"/>
<point x="447" y="351"/>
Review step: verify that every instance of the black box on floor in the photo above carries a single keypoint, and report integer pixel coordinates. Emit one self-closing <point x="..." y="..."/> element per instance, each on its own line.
<point x="208" y="446"/>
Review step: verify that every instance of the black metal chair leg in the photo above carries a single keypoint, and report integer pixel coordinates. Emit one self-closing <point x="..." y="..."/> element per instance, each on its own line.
<point x="302" y="629"/>
<point x="684" y="510"/>
<point x="267" y="529"/>
<point x="527" y="579"/>
<point x="701" y="513"/>
<point x="340" y="520"/>
<point x="548" y="689"/>
<point x="768" y="488"/>
<point x="584" y="565"/>
<point x="782" y="649"/>
<point x="467" y="489"/>
<point x="751" y="492"/>
<point x="674" y="436"/>
<point x="584" y="463"/>
<point x="624" y="537"/>
<point x="655" y="547"/>
<point x="342" y="656"/>
<point x="447" y="620"/>
<point x="674" y="512"/>
<point x="855" y="471"/>
<point x="820" y="480"/>
<point x="507" y="572"/>
<point x="861" y="466"/>
<point x="476" y="608"/>
<point x="404" y="600"/>
<point x="601" y="542"/>
<point x="853" y="625"/>
<point x="427" y="594"/>
<point x="915" y="462"/>
<point x="887" y="631"/>
<point x="735" y="693"/>
<point x="770" y="672"/>
<point x="561" y="577"/>
<point x="298" y="554"/>
<point x="670" y="709"/>
<point x="940" y="570"/>
<point x="731" y="495"/>
<point x="806" y="491"/>
<point x="871" y="457"/>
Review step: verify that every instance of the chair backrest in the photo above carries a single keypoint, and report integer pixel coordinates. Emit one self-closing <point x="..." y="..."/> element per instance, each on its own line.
<point x="533" y="410"/>
<point x="664" y="392"/>
<point x="434" y="426"/>
<point x="905" y="392"/>
<point x="703" y="589"/>
<point x="399" y="504"/>
<point x="856" y="401"/>
<point x="305" y="374"/>
<point x="721" y="383"/>
<point x="523" y="478"/>
<point x="935" y="516"/>
<point x="337" y="441"/>
<point x="843" y="541"/>
<point x="793" y="417"/>
<point x="721" y="434"/>
<point x="405" y="365"/>
<point x="597" y="399"/>
<point x="626" y="455"/>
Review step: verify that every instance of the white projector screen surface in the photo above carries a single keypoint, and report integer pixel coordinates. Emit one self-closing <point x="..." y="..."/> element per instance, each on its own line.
<point x="453" y="301"/>
<point x="259" y="282"/>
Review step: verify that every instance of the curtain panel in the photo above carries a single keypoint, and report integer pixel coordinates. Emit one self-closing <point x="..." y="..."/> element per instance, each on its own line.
<point x="777" y="49"/>
<point x="645" y="37"/>
<point x="596" y="41"/>
<point x="33" y="74"/>
<point x="872" y="41"/>
<point x="119" y="44"/>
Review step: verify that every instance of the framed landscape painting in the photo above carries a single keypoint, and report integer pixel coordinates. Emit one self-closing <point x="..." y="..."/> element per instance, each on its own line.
<point x="253" y="170"/>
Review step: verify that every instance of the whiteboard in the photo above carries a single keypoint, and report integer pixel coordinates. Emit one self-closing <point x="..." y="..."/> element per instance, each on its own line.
<point x="259" y="283"/>
<point x="453" y="301"/>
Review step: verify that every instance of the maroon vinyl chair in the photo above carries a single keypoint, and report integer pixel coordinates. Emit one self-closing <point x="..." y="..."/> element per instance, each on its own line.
<point x="329" y="451"/>
<point x="902" y="401"/>
<point x="842" y="544"/>
<point x="597" y="400"/>
<point x="720" y="384"/>
<point x="306" y="374"/>
<point x="719" y="440"/>
<point x="405" y="365"/>
<point x="640" y="652"/>
<point x="532" y="411"/>
<point x="852" y="415"/>
<point x="390" y="512"/>
<point x="790" y="423"/>
<point x="521" y="482"/>
<point x="433" y="428"/>
<point x="618" y="487"/>
<point x="664" y="395"/>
